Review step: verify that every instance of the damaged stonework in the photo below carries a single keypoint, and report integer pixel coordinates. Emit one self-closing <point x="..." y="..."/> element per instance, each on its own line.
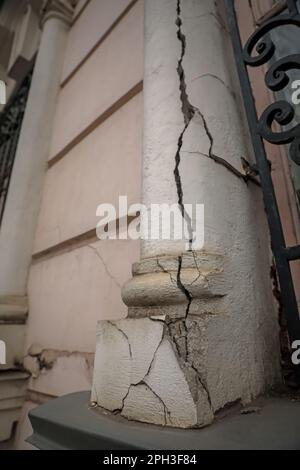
<point x="191" y="112"/>
<point x="166" y="364"/>
<point x="55" y="372"/>
<point x="154" y="357"/>
<point x="139" y="386"/>
<point x="191" y="283"/>
<point x="124" y="359"/>
<point x="39" y="360"/>
<point x="201" y="333"/>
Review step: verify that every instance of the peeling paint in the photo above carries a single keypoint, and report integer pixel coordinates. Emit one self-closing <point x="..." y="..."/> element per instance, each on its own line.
<point x="40" y="360"/>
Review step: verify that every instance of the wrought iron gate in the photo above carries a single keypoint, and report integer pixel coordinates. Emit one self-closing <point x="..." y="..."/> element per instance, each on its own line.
<point x="282" y="113"/>
<point x="10" y="125"/>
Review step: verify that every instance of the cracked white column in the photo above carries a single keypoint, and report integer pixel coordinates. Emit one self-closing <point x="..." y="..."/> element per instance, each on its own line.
<point x="202" y="330"/>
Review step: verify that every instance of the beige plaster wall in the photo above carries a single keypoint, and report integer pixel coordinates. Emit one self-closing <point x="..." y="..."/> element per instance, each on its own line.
<point x="98" y="17"/>
<point x="110" y="72"/>
<point x="75" y="279"/>
<point x="103" y="165"/>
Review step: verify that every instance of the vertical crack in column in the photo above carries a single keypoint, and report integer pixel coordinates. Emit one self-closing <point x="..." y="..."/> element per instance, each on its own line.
<point x="188" y="113"/>
<point x="183" y="288"/>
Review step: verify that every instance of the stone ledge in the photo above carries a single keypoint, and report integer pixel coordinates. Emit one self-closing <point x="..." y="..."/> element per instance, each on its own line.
<point x="68" y="423"/>
<point x="12" y="395"/>
<point x="13" y="309"/>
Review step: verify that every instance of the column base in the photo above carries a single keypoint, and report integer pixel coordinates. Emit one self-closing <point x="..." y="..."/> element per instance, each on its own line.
<point x="141" y="375"/>
<point x="182" y="355"/>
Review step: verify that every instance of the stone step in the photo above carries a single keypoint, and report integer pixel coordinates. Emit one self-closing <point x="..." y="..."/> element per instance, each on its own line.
<point x="13" y="386"/>
<point x="69" y="423"/>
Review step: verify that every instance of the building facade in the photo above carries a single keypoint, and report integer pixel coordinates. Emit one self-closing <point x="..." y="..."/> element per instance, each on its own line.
<point x="139" y="99"/>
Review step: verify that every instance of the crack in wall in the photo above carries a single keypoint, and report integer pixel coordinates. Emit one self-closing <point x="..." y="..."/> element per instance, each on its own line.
<point x="215" y="77"/>
<point x="179" y="339"/>
<point x="202" y="382"/>
<point x="124" y="334"/>
<point x="181" y="349"/>
<point x="165" y="271"/>
<point x="198" y="269"/>
<point x="152" y="361"/>
<point x="105" y="266"/>
<point x="183" y="288"/>
<point x="167" y="413"/>
<point x="246" y="177"/>
<point x="155" y="319"/>
<point x="216" y="158"/>
<point x="142" y="382"/>
<point x="119" y="410"/>
<point x="189" y="111"/>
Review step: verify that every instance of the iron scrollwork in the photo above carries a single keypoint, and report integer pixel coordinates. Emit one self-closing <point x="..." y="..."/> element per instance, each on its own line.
<point x="282" y="113"/>
<point x="276" y="79"/>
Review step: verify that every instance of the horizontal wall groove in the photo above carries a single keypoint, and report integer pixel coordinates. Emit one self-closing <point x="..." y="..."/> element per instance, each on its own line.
<point x="65" y="246"/>
<point x="98" y="43"/>
<point x="78" y="15"/>
<point x="79" y="241"/>
<point x="135" y="90"/>
<point x="13" y="321"/>
<point x="39" y="398"/>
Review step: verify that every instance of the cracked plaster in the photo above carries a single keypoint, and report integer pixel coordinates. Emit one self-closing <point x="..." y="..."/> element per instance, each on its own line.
<point x="216" y="347"/>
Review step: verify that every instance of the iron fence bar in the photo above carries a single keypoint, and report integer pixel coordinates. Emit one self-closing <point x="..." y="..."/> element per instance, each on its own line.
<point x="10" y="126"/>
<point x="293" y="253"/>
<point x="10" y="155"/>
<point x="278" y="246"/>
<point x="3" y="160"/>
<point x="292" y="6"/>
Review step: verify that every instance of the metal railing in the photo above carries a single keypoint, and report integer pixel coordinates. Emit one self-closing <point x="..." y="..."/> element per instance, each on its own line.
<point x="260" y="50"/>
<point x="10" y="126"/>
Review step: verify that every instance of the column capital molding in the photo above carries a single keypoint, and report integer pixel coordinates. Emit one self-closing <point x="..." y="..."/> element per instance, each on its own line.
<point x="61" y="9"/>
